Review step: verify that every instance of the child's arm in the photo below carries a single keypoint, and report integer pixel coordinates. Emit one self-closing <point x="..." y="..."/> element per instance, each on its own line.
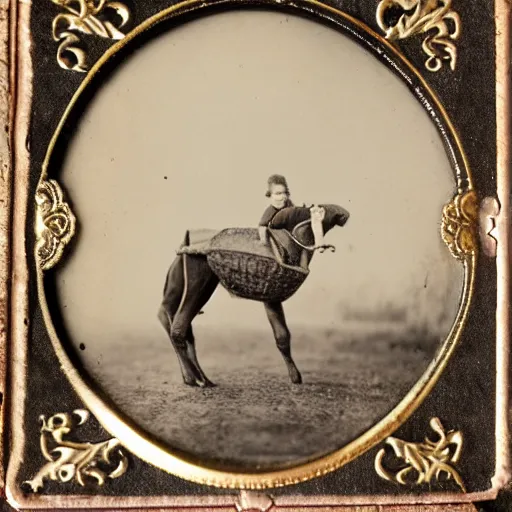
<point x="264" y="223"/>
<point x="263" y="234"/>
<point x="317" y="216"/>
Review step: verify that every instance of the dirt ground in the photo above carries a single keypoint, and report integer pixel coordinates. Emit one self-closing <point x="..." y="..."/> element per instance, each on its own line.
<point x="255" y="416"/>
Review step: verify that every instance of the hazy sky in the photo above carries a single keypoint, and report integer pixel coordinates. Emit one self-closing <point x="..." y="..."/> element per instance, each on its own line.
<point x="186" y="134"/>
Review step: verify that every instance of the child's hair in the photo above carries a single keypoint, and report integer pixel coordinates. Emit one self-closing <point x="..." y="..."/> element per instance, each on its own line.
<point x="277" y="179"/>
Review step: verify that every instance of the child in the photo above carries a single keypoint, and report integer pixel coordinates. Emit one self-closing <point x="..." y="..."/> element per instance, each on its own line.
<point x="279" y="195"/>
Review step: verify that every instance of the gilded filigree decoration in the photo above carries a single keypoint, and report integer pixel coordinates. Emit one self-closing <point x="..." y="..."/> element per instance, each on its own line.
<point x="400" y="19"/>
<point x="459" y="225"/>
<point x="103" y="18"/>
<point x="69" y="460"/>
<point x="55" y="224"/>
<point x="421" y="463"/>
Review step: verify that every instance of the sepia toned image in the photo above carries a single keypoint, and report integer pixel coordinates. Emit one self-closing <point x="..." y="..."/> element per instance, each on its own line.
<point x="255" y="255"/>
<point x="258" y="275"/>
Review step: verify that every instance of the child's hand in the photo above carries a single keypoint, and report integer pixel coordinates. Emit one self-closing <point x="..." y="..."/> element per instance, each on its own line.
<point x="317" y="212"/>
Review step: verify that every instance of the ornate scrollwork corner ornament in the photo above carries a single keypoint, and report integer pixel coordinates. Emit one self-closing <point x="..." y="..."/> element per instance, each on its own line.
<point x="103" y="18"/>
<point x="424" y="462"/>
<point x="68" y="460"/>
<point x="400" y="19"/>
<point x="459" y="225"/>
<point x="55" y="224"/>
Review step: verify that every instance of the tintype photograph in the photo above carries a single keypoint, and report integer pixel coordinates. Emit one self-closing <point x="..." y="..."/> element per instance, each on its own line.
<point x="256" y="246"/>
<point x="270" y="231"/>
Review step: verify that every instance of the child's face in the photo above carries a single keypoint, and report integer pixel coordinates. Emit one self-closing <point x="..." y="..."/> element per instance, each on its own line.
<point x="278" y="196"/>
